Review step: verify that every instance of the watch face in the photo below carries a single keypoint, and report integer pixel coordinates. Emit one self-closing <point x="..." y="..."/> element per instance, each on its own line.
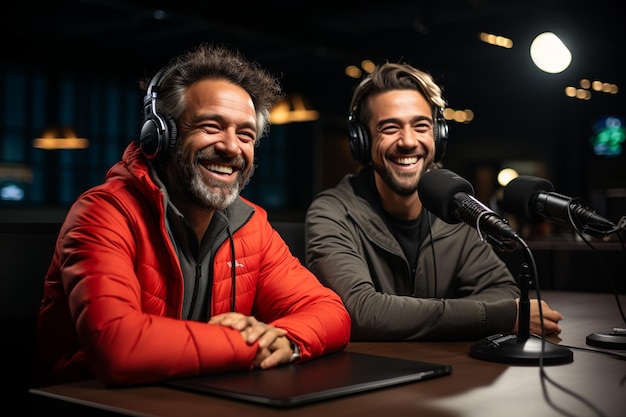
<point x="296" y="352"/>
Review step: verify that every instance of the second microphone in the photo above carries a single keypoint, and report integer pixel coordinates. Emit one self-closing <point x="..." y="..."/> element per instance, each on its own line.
<point x="451" y="198"/>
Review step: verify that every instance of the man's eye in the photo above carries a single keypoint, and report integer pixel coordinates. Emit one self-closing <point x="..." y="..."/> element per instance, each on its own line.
<point x="211" y="127"/>
<point x="389" y="129"/>
<point x="422" y="127"/>
<point x="246" y="136"/>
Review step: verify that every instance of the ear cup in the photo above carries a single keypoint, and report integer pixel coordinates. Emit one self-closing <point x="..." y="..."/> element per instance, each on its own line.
<point x="158" y="134"/>
<point x="440" y="133"/>
<point x="359" y="141"/>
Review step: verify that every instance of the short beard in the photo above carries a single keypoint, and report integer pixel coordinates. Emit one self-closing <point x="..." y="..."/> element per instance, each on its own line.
<point x="209" y="194"/>
<point x="393" y="184"/>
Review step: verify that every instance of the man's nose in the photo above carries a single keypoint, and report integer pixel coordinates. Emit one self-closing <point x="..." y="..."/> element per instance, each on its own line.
<point x="408" y="137"/>
<point x="228" y="143"/>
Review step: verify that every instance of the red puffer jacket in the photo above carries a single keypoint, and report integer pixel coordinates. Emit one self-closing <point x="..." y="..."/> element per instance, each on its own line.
<point x="114" y="290"/>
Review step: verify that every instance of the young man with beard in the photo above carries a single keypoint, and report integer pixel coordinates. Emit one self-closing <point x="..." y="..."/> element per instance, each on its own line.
<point x="164" y="270"/>
<point x="402" y="273"/>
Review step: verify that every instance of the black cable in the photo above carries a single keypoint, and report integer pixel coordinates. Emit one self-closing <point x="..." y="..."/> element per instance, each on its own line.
<point x="603" y="263"/>
<point x="432" y="248"/>
<point x="544" y="377"/>
<point x="604" y="352"/>
<point x="233" y="272"/>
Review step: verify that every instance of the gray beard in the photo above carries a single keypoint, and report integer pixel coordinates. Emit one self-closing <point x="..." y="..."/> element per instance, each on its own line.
<point x="211" y="194"/>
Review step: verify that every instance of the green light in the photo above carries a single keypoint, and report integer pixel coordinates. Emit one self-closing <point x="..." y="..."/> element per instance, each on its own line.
<point x="610" y="134"/>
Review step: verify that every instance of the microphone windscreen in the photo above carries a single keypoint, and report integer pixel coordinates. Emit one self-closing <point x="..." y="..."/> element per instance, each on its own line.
<point x="437" y="189"/>
<point x="518" y="195"/>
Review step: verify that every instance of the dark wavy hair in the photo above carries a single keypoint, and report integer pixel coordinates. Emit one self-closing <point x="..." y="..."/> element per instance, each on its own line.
<point x="208" y="61"/>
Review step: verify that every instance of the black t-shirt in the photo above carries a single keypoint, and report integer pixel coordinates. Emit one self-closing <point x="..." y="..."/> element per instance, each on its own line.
<point x="408" y="233"/>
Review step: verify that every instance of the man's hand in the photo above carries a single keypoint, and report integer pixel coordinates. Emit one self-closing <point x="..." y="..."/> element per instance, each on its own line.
<point x="274" y="347"/>
<point x="551" y="318"/>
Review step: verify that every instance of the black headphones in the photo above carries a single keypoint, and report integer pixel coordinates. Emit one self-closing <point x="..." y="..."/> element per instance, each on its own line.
<point x="158" y="133"/>
<point x="360" y="143"/>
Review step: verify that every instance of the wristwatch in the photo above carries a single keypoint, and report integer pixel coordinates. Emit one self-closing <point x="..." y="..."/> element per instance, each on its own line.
<point x="296" y="352"/>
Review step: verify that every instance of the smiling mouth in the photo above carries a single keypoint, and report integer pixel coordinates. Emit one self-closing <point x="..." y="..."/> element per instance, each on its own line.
<point x="220" y="169"/>
<point x="409" y="160"/>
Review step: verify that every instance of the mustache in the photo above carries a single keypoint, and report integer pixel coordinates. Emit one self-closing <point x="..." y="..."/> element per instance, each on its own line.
<point x="210" y="156"/>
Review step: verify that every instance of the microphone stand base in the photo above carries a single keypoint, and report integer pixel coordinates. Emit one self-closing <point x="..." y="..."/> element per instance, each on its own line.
<point x="607" y="340"/>
<point x="511" y="349"/>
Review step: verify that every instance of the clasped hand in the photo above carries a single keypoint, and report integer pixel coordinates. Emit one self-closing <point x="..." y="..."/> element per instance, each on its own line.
<point x="274" y="347"/>
<point x="551" y="318"/>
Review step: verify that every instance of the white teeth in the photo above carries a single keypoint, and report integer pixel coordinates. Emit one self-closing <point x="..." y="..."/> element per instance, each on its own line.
<point x="407" y="161"/>
<point x="220" y="168"/>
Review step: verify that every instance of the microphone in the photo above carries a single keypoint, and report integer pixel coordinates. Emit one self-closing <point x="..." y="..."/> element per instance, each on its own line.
<point x="451" y="198"/>
<point x="534" y="198"/>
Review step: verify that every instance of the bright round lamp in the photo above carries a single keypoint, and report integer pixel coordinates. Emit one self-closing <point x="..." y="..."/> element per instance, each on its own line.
<point x="549" y="53"/>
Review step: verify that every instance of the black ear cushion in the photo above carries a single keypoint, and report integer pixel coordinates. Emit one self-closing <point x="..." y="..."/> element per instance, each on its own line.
<point x="440" y="133"/>
<point x="359" y="142"/>
<point x="158" y="134"/>
<point x="150" y="137"/>
<point x="157" y="140"/>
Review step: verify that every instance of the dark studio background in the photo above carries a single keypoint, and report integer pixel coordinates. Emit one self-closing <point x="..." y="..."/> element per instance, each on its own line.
<point x="78" y="63"/>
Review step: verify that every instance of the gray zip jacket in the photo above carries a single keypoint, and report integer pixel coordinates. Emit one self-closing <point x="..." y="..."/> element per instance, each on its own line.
<point x="461" y="289"/>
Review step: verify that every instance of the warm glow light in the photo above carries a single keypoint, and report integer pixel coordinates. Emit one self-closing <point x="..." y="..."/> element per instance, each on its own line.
<point x="506" y="175"/>
<point x="549" y="53"/>
<point x="16" y="172"/>
<point x="586" y="86"/>
<point x="292" y="109"/>
<point x="368" y="66"/>
<point x="55" y="138"/>
<point x="459" y="116"/>
<point x="61" y="143"/>
<point x="570" y="91"/>
<point x="353" y="71"/>
<point x="500" y="41"/>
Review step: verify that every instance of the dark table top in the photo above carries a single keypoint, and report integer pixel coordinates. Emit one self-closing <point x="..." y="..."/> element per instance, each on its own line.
<point x="476" y="388"/>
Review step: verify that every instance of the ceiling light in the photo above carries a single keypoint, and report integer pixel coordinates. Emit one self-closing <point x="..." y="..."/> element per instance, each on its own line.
<point x="294" y="108"/>
<point x="60" y="138"/>
<point x="549" y="53"/>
